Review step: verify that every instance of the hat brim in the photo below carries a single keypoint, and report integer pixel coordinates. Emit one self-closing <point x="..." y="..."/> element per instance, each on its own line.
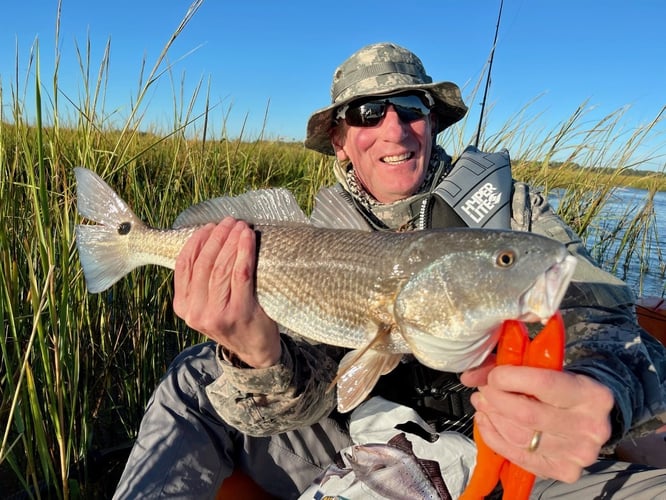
<point x="449" y="108"/>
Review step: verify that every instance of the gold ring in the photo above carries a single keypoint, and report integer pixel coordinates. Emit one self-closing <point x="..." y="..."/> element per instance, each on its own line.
<point x="534" y="443"/>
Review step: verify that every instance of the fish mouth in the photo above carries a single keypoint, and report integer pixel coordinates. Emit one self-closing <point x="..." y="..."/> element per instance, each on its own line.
<point x="543" y="298"/>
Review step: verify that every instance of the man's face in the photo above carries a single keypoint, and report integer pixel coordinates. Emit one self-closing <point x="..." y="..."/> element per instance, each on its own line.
<point x="390" y="158"/>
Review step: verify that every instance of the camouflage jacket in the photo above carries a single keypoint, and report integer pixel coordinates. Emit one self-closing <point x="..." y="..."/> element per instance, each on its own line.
<point x="604" y="342"/>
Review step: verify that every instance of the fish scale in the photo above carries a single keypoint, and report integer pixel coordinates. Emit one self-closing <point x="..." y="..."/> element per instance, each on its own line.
<point x="325" y="283"/>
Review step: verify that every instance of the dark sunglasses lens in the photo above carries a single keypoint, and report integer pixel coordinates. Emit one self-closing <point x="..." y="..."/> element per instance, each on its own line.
<point x="408" y="114"/>
<point x="409" y="108"/>
<point x="366" y="115"/>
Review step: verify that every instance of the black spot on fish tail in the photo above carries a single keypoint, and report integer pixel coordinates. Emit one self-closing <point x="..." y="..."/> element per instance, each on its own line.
<point x="124" y="228"/>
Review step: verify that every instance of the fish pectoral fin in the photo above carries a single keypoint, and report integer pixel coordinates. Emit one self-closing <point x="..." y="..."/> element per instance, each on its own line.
<point x="383" y="331"/>
<point x="357" y="375"/>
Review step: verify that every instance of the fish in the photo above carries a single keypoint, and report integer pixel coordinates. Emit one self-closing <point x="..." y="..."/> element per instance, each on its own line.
<point x="391" y="470"/>
<point x="439" y="295"/>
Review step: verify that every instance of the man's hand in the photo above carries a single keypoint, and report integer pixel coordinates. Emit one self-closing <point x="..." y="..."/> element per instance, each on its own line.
<point x="571" y="411"/>
<point x="214" y="283"/>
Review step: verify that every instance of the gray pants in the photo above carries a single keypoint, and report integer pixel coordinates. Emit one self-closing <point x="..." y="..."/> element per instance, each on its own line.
<point x="184" y="450"/>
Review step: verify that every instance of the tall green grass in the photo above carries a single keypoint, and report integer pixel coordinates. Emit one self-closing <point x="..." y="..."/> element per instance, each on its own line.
<point x="77" y="369"/>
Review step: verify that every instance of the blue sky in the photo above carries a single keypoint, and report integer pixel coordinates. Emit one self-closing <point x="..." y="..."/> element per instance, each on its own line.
<point x="258" y="57"/>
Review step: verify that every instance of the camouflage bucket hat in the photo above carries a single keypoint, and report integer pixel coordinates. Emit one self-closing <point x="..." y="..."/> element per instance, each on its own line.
<point x="382" y="69"/>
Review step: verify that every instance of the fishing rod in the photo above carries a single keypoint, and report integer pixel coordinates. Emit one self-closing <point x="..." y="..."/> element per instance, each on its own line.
<point x="490" y="68"/>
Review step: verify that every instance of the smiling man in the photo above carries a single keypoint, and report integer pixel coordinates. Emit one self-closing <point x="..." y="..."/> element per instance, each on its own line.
<point x="256" y="399"/>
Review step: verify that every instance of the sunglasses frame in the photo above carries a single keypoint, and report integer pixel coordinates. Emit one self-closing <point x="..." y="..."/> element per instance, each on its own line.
<point x="406" y="113"/>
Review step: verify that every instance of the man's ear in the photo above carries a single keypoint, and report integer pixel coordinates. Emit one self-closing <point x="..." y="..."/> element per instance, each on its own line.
<point x="433" y="124"/>
<point x="338" y="142"/>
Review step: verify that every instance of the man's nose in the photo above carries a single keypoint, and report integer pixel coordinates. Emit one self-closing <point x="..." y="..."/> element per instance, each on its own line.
<point x="392" y="124"/>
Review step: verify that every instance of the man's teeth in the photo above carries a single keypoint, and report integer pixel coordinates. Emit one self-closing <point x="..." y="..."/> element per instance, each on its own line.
<point x="397" y="158"/>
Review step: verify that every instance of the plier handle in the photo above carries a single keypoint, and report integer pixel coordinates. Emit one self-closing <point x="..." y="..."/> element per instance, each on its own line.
<point x="546" y="350"/>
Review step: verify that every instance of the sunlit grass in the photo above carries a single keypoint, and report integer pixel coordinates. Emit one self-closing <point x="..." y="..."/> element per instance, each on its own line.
<point x="77" y="369"/>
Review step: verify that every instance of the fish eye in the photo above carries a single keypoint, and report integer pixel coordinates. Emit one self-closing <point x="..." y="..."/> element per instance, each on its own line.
<point x="124" y="227"/>
<point x="506" y="258"/>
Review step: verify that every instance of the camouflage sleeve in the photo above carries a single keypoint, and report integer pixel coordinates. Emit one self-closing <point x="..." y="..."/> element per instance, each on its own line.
<point x="291" y="394"/>
<point x="604" y="340"/>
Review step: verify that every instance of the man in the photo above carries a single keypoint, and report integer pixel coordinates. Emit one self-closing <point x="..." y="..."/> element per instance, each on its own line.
<point x="256" y="399"/>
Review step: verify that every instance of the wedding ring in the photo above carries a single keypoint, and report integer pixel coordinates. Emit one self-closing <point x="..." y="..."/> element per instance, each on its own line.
<point x="534" y="443"/>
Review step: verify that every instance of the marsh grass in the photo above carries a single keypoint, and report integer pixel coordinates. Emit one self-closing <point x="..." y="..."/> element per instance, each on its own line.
<point x="77" y="369"/>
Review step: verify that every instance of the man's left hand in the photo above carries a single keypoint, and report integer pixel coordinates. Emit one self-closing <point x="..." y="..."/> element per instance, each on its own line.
<point x="571" y="411"/>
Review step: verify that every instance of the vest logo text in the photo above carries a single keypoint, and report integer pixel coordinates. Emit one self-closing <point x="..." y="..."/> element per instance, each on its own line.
<point x="482" y="202"/>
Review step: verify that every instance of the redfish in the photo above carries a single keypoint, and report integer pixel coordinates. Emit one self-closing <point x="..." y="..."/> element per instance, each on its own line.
<point x="440" y="295"/>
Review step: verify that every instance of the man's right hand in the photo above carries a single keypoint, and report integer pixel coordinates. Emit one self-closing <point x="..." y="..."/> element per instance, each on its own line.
<point x="214" y="292"/>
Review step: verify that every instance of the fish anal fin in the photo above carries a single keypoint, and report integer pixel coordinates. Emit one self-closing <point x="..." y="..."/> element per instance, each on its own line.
<point x="434" y="473"/>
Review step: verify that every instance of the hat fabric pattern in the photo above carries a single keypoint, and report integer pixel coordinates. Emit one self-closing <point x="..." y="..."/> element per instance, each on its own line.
<point x="378" y="70"/>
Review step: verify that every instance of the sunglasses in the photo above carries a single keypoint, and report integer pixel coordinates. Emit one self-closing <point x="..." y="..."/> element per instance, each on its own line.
<point x="368" y="113"/>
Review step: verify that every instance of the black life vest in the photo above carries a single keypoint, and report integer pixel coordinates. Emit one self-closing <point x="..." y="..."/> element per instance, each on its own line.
<point x="475" y="193"/>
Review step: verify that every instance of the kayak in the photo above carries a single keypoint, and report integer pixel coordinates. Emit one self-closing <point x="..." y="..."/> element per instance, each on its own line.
<point x="240" y="485"/>
<point x="651" y="313"/>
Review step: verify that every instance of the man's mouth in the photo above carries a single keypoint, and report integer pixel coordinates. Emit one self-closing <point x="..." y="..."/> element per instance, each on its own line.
<point x="395" y="159"/>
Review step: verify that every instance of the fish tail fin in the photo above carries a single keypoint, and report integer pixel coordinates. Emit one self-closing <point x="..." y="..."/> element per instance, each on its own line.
<point x="103" y="248"/>
<point x="103" y="256"/>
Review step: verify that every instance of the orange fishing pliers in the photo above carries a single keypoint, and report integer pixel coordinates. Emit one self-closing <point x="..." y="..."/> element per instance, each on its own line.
<point x="546" y="350"/>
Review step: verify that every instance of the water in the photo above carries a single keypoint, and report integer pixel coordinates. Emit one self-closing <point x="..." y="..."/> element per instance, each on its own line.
<point x="645" y="276"/>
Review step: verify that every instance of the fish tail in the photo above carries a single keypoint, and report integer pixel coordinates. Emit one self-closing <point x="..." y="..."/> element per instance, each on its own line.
<point x="103" y="248"/>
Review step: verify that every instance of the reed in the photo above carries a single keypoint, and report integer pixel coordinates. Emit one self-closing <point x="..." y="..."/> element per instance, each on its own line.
<point x="77" y="369"/>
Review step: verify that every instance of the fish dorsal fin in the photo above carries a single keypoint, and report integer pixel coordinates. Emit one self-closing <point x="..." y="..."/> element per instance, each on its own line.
<point x="401" y="442"/>
<point x="334" y="208"/>
<point x="261" y="206"/>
